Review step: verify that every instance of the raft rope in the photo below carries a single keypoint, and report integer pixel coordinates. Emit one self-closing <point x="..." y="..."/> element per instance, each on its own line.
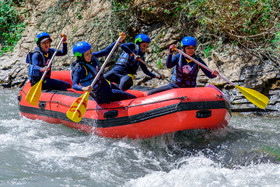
<point x="128" y="106"/>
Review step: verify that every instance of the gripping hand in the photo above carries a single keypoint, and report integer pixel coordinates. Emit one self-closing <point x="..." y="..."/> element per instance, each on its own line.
<point x="172" y="48"/>
<point x="64" y="37"/>
<point x="123" y="35"/>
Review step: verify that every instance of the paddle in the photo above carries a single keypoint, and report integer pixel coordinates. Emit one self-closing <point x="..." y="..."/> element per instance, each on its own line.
<point x="79" y="106"/>
<point x="34" y="93"/>
<point x="140" y="60"/>
<point x="251" y="95"/>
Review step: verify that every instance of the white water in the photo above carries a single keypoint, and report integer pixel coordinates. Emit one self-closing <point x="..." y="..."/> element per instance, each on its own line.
<point x="35" y="153"/>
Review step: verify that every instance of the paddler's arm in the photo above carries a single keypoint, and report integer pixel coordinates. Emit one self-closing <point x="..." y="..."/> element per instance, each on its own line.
<point x="146" y="71"/>
<point x="172" y="61"/>
<point x="78" y="74"/>
<point x="104" y="52"/>
<point x="209" y="74"/>
<point x="128" y="47"/>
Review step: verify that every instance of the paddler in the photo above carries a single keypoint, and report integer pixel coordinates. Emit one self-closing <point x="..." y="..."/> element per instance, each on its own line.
<point x="84" y="70"/>
<point x="39" y="59"/>
<point x="185" y="71"/>
<point x="127" y="65"/>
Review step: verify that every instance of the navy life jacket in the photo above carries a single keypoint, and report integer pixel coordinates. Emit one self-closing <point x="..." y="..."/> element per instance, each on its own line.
<point x="37" y="74"/>
<point x="128" y="61"/>
<point x="183" y="74"/>
<point x="91" y="69"/>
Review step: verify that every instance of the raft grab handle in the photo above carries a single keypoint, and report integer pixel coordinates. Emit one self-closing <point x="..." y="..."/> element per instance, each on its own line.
<point x="203" y="113"/>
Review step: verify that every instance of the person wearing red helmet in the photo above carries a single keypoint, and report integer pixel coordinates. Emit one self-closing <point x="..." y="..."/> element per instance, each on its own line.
<point x="39" y="62"/>
<point x="185" y="71"/>
<point x="127" y="65"/>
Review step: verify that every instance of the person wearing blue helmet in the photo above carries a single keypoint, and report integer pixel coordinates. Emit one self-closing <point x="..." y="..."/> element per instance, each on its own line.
<point x="127" y="65"/>
<point x="40" y="58"/>
<point x="185" y="71"/>
<point x="84" y="70"/>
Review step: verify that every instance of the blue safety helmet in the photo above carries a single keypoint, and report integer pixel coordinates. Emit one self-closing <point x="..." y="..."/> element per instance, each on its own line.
<point x="80" y="48"/>
<point x="142" y="38"/>
<point x="188" y="40"/>
<point x="41" y="37"/>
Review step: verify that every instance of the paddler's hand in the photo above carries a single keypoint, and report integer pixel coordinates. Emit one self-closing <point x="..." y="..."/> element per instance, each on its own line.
<point x="160" y="76"/>
<point x="122" y="35"/>
<point x="87" y="88"/>
<point x="172" y="49"/>
<point x="137" y="57"/>
<point x="64" y="37"/>
<point x="215" y="73"/>
<point x="45" y="69"/>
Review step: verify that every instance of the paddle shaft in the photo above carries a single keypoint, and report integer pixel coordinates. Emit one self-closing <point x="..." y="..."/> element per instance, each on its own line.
<point x="84" y="98"/>
<point x="50" y="63"/>
<point x="202" y="65"/>
<point x="251" y="95"/>
<point x="140" y="60"/>
<point x="106" y="61"/>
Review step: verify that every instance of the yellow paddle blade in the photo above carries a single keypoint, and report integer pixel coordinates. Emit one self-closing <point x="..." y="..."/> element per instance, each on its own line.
<point x="78" y="108"/>
<point x="254" y="97"/>
<point x="34" y="93"/>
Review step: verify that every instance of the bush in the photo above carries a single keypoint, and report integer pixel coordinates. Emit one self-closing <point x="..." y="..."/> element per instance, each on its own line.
<point x="251" y="24"/>
<point x="11" y="26"/>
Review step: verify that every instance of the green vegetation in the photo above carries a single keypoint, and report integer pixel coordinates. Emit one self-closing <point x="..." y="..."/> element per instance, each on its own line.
<point x="252" y="24"/>
<point x="11" y="27"/>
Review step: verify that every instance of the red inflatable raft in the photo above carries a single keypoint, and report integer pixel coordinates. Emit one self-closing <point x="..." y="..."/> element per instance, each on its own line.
<point x="143" y="117"/>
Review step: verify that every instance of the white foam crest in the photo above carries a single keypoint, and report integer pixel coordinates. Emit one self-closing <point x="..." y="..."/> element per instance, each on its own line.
<point x="35" y="140"/>
<point x="15" y="132"/>
<point x="256" y="123"/>
<point x="201" y="171"/>
<point x="64" y="151"/>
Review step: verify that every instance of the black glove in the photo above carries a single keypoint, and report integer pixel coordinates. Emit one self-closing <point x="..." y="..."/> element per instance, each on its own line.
<point x="137" y="57"/>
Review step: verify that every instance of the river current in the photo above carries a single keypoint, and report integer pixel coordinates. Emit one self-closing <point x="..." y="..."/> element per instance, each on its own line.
<point x="36" y="153"/>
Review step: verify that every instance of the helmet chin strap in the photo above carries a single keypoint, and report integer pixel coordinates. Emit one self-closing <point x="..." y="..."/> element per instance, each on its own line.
<point x="81" y="58"/>
<point x="140" y="48"/>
